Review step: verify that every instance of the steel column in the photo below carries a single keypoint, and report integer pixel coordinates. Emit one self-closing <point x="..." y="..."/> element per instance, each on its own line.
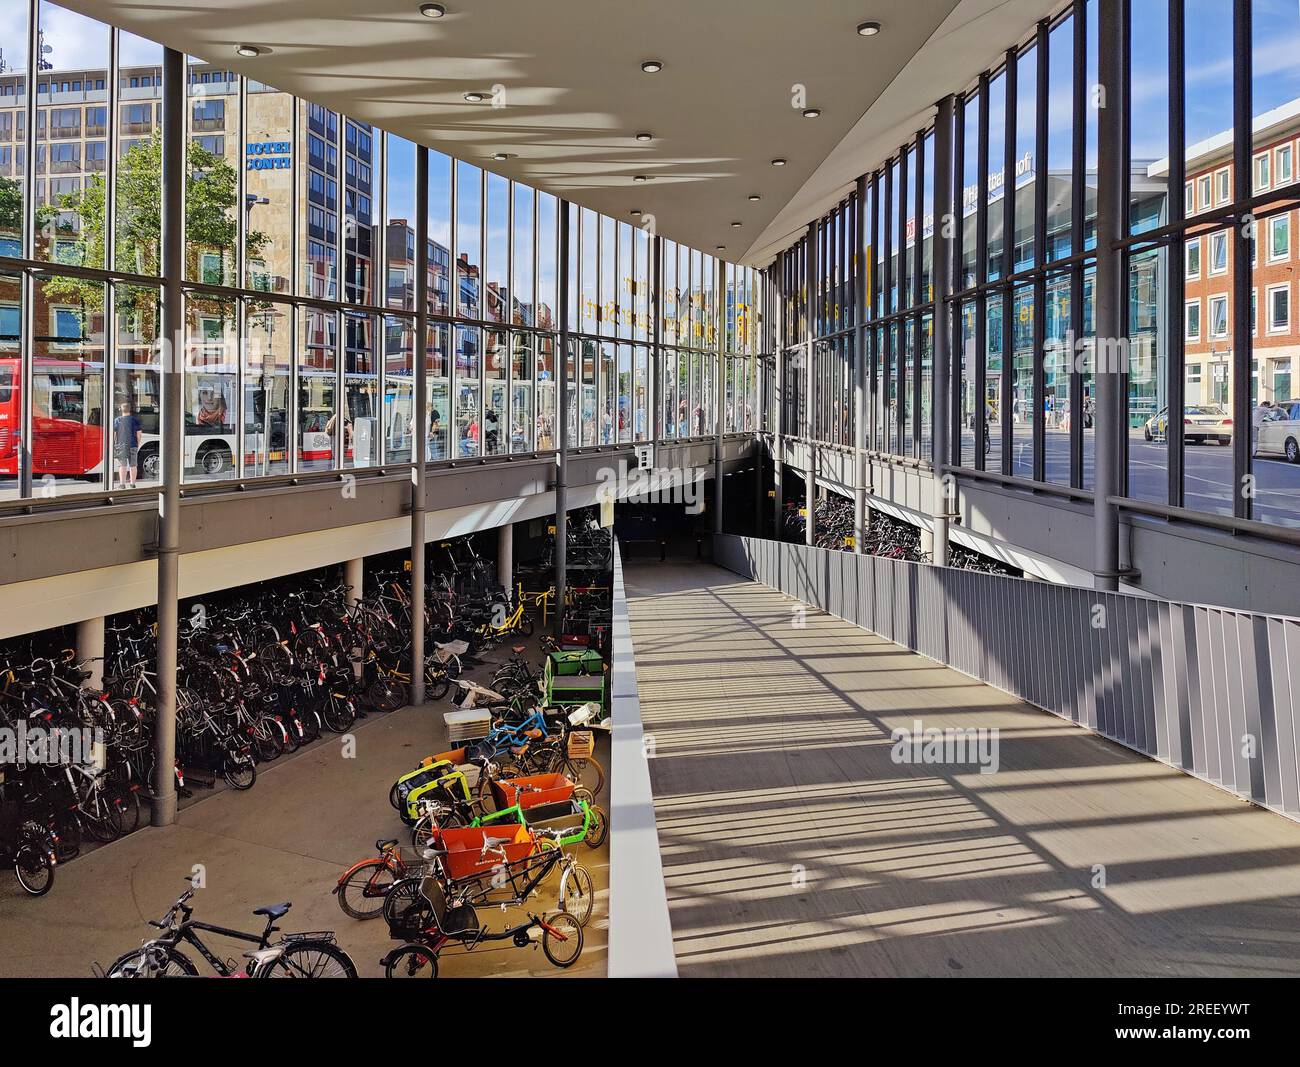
<point x="419" y="444"/>
<point x="173" y="422"/>
<point x="562" y="445"/>
<point x="944" y="210"/>
<point x="1108" y="295"/>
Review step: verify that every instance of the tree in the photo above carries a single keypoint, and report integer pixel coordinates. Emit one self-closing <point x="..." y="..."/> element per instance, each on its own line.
<point x="211" y="202"/>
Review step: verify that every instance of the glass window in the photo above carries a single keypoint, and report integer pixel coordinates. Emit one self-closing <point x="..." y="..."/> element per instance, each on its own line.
<point x="1279" y="309"/>
<point x="440" y="243"/>
<point x="1193" y="320"/>
<point x="320" y="204"/>
<point x="1192" y="253"/>
<point x="497" y="284"/>
<point x="466" y="430"/>
<point x="1279" y="231"/>
<point x="70" y="225"/>
<point x="522" y="297"/>
<point x="521" y="392"/>
<point x="267" y="387"/>
<point x="320" y="434"/>
<point x="469" y="212"/>
<point x="269" y="202"/>
<point x="362" y="430"/>
<point x="399" y="238"/>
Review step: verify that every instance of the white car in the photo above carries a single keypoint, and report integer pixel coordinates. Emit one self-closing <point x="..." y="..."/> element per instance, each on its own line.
<point x="1279" y="433"/>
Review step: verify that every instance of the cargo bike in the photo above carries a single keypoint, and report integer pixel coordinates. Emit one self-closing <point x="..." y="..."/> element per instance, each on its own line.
<point x="472" y="867"/>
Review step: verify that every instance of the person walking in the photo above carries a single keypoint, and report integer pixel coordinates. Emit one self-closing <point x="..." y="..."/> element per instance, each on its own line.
<point x="127" y="432"/>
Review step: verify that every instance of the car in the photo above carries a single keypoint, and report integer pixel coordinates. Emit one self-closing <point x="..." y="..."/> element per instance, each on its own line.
<point x="1279" y="433"/>
<point x="1201" y="422"/>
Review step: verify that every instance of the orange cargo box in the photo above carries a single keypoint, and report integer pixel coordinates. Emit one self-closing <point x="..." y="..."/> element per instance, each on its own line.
<point x="532" y="791"/>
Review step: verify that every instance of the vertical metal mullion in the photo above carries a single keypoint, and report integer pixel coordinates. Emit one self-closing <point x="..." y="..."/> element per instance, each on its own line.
<point x="887" y="334"/>
<point x="30" y="286"/>
<point x="294" y="430"/>
<point x="108" y="403"/>
<point x="505" y="434"/>
<point x="1242" y="272"/>
<point x="1006" y="390"/>
<point x="1175" y="315"/>
<point x="941" y="281"/>
<point x="871" y="291"/>
<point x="957" y="352"/>
<point x="655" y="423"/>
<point x="1078" y="182"/>
<point x="980" y="415"/>
<point x="899" y="445"/>
<point x="241" y="276"/>
<point x="1125" y="226"/>
<point x="482" y="310"/>
<point x="1037" y="356"/>
<point x="918" y="291"/>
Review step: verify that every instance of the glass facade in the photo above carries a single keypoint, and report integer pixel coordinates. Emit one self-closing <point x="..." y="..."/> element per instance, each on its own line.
<point x="1208" y="326"/>
<point x="300" y="279"/>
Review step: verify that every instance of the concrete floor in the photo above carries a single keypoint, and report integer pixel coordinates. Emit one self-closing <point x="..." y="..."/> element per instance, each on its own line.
<point x="309" y="817"/>
<point x="794" y="846"/>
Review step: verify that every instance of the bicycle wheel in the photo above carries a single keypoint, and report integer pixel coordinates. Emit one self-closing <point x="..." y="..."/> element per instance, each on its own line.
<point x="34" y="870"/>
<point x="587" y="773"/>
<point x="562" y="943"/>
<point x="578" y="893"/>
<point x="405" y="907"/>
<point x="338" y="713"/>
<point x="361" y="895"/>
<point x="424" y="829"/>
<point x="136" y="964"/>
<point x="268" y="738"/>
<point x="240" y="772"/>
<point x="310" y="959"/>
<point x="411" y="961"/>
<point x="103" y="819"/>
<point x="597" y="829"/>
<point x="526" y="625"/>
<point x="436" y="685"/>
<point x="127" y="802"/>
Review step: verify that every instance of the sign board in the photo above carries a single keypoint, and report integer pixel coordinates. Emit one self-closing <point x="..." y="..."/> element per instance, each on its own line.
<point x="645" y="457"/>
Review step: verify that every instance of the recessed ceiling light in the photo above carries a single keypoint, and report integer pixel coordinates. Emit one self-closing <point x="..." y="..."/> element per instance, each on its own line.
<point x="812" y="112"/>
<point x="474" y="98"/>
<point x="432" y="11"/>
<point x="652" y="66"/>
<point x="754" y="198"/>
<point x="868" y="29"/>
<point x="719" y="248"/>
<point x="248" y="51"/>
<point x="635" y="211"/>
<point x="502" y="155"/>
<point x="645" y="136"/>
<point x="639" y="178"/>
<point x="736" y="225"/>
<point x="778" y="162"/>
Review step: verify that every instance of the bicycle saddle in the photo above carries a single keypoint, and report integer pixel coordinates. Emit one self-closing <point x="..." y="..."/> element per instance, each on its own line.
<point x="382" y="844"/>
<point x="274" y="911"/>
<point x="517" y="649"/>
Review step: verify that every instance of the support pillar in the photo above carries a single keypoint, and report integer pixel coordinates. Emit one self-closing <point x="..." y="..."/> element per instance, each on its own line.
<point x="173" y="419"/>
<point x="810" y="495"/>
<point x="420" y="441"/>
<point x="944" y="484"/>
<point x="506" y="558"/>
<point x="1109" y="306"/>
<point x="354" y="576"/>
<point x="562" y="445"/>
<point x="90" y="650"/>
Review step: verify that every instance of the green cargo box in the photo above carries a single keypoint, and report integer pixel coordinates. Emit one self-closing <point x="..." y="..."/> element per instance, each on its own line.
<point x="575" y="677"/>
<point x="574" y="662"/>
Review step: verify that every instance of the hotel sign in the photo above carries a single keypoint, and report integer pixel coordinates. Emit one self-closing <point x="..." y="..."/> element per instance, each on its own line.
<point x="270" y="155"/>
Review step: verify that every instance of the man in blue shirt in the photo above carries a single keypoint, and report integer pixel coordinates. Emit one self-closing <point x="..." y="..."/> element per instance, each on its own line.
<point x="127" y="432"/>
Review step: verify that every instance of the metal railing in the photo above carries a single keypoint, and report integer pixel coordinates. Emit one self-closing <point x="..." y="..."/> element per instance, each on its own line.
<point x="1208" y="690"/>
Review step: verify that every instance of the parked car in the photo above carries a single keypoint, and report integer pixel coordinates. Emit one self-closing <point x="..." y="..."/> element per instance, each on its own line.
<point x="1201" y="422"/>
<point x="1279" y="433"/>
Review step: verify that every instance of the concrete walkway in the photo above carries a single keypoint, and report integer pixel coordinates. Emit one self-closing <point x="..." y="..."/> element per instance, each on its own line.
<point x="794" y="845"/>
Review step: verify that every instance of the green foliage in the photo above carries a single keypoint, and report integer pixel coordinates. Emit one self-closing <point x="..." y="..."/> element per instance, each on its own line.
<point x="211" y="202"/>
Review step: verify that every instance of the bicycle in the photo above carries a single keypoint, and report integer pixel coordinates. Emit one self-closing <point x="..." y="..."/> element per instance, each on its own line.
<point x="309" y="955"/>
